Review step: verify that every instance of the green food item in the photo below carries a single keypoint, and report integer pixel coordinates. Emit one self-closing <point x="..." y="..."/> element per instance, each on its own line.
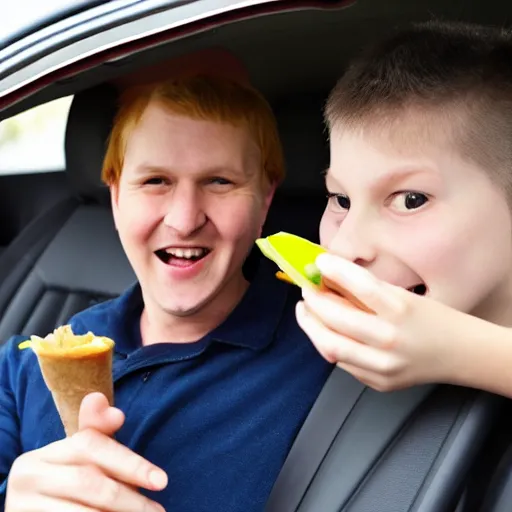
<point x="295" y="256"/>
<point x="313" y="273"/>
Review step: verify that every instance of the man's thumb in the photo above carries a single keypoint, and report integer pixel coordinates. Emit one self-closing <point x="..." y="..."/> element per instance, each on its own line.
<point x="96" y="413"/>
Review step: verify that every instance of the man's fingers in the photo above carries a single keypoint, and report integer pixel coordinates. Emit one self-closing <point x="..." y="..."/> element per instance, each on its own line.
<point x="36" y="503"/>
<point x="91" y="447"/>
<point x="90" y="487"/>
<point x="96" y="413"/>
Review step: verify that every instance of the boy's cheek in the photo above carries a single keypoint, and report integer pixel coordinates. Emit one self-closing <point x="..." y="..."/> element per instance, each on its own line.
<point x="327" y="230"/>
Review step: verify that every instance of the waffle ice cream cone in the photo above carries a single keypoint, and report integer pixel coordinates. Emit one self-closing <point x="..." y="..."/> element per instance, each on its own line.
<point x="73" y="366"/>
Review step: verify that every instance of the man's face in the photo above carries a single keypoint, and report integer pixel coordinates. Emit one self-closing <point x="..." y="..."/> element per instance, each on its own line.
<point x="419" y="216"/>
<point x="188" y="207"/>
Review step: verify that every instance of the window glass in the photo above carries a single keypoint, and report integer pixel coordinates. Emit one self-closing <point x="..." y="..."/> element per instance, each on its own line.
<point x="33" y="141"/>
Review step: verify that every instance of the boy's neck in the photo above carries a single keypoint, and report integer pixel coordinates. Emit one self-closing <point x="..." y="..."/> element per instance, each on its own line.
<point x="158" y="326"/>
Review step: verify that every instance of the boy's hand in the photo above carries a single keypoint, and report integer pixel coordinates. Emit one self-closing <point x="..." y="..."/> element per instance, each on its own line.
<point x="87" y="472"/>
<point x="409" y="340"/>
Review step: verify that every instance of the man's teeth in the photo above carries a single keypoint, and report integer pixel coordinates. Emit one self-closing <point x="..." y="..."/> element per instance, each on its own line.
<point x="187" y="253"/>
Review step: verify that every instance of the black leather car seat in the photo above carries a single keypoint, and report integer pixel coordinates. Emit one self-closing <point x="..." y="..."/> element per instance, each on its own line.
<point x="69" y="257"/>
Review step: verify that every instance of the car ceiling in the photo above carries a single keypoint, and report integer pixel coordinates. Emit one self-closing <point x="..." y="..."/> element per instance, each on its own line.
<point x="304" y="50"/>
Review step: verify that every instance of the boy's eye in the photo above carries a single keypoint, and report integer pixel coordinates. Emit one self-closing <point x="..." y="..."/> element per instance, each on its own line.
<point x="407" y="201"/>
<point x="339" y="201"/>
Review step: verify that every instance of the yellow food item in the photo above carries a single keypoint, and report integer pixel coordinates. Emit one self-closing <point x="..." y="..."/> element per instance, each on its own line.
<point x="294" y="255"/>
<point x="63" y="342"/>
<point x="72" y="367"/>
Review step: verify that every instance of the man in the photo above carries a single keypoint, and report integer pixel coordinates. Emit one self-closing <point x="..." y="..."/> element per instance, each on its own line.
<point x="201" y="354"/>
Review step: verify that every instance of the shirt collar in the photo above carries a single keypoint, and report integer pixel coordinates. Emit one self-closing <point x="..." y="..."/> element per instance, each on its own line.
<point x="254" y="321"/>
<point x="252" y="324"/>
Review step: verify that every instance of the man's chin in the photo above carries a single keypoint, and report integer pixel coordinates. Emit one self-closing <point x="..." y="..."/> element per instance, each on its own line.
<point x="182" y="309"/>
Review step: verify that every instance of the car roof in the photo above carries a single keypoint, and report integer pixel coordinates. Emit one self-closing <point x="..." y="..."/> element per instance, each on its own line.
<point x="26" y="17"/>
<point x="319" y="36"/>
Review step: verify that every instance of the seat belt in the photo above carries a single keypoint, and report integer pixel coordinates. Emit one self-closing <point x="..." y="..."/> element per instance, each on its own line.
<point x="333" y="406"/>
<point x="335" y="403"/>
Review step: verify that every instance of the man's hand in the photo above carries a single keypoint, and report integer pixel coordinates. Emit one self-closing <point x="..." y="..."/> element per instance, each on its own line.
<point x="87" y="472"/>
<point x="408" y="340"/>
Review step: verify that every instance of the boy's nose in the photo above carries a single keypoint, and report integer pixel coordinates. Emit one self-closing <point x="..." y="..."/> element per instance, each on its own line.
<point x="355" y="240"/>
<point x="185" y="213"/>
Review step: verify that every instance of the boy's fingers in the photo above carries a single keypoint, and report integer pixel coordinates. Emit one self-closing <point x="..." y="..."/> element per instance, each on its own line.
<point x="340" y="318"/>
<point x="92" y="447"/>
<point x="355" y="281"/>
<point x="350" y="298"/>
<point x="337" y="348"/>
<point x="96" y="413"/>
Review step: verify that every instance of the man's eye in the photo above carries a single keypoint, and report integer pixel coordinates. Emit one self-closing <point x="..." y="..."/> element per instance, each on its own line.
<point x="339" y="201"/>
<point x="407" y="201"/>
<point x="154" y="181"/>
<point x="220" y="181"/>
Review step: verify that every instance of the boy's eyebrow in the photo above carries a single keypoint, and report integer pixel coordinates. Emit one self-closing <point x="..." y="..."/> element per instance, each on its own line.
<point x="398" y="175"/>
<point x="328" y="177"/>
<point x="388" y="178"/>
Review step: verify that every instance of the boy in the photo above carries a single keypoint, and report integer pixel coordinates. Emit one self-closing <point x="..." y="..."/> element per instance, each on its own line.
<point x="418" y="216"/>
<point x="192" y="165"/>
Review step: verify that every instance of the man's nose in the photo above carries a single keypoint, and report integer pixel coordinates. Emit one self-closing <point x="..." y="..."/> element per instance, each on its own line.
<point x="355" y="239"/>
<point x="185" y="210"/>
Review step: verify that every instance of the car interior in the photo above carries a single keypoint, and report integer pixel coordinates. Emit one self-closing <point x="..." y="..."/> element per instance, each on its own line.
<point x="435" y="448"/>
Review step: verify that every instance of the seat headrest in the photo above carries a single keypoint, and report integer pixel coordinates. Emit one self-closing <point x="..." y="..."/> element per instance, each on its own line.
<point x="88" y="127"/>
<point x="299" y="120"/>
<point x="305" y="143"/>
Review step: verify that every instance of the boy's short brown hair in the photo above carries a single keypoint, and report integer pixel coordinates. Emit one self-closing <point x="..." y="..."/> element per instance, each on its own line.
<point x="457" y="72"/>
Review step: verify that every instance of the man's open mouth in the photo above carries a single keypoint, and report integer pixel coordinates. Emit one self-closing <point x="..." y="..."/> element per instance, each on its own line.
<point x="418" y="289"/>
<point x="176" y="255"/>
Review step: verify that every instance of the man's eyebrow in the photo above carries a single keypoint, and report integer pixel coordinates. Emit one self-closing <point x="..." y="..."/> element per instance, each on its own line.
<point x="147" y="167"/>
<point x="208" y="171"/>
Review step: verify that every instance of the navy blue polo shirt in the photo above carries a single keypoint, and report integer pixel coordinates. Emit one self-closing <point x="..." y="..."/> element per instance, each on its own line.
<point x="219" y="415"/>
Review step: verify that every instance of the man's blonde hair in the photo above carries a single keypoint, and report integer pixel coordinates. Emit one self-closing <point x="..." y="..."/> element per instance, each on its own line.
<point x="203" y="98"/>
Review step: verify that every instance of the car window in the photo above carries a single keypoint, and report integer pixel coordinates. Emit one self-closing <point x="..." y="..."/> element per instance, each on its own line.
<point x="33" y="141"/>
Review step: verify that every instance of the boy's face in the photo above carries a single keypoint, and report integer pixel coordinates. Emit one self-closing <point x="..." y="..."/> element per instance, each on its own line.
<point x="414" y="212"/>
<point x="188" y="208"/>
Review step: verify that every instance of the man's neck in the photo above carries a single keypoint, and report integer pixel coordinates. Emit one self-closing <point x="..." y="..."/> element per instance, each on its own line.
<point x="158" y="326"/>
